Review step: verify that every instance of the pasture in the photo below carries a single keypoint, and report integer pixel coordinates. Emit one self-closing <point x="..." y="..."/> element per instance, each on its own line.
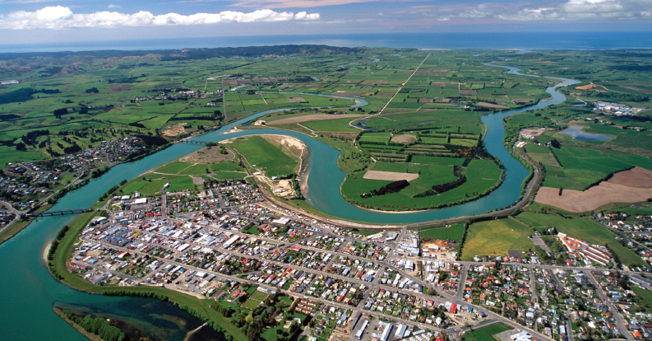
<point x="274" y="160"/>
<point x="495" y="237"/>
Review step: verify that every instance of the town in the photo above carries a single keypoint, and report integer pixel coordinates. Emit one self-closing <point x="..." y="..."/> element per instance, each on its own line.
<point x="227" y="243"/>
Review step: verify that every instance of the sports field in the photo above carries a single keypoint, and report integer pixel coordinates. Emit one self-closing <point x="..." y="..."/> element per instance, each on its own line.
<point x="255" y="300"/>
<point x="486" y="333"/>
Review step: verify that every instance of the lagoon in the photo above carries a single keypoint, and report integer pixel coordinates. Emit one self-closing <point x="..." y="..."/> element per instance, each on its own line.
<point x="577" y="133"/>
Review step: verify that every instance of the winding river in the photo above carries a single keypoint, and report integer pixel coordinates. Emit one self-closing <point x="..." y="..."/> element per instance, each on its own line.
<point x="28" y="292"/>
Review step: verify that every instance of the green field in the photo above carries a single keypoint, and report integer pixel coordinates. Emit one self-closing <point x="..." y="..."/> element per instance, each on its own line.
<point x="173" y="167"/>
<point x="154" y="185"/>
<point x="583" y="166"/>
<point x="582" y="228"/>
<point x="482" y="176"/>
<point x="274" y="160"/>
<point x="337" y="125"/>
<point x="646" y="297"/>
<point x="254" y="300"/>
<point x="541" y="154"/>
<point x="453" y="233"/>
<point x="486" y="333"/>
<point x="495" y="237"/>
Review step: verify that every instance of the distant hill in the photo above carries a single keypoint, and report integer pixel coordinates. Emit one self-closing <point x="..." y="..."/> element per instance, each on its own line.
<point x="186" y="54"/>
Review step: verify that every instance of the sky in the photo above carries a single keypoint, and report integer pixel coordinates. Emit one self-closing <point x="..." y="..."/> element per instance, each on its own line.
<point x="51" y="21"/>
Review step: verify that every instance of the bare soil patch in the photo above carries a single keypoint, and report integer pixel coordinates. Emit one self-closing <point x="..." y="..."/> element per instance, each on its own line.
<point x="309" y="118"/>
<point x="533" y="132"/>
<point x="123" y="87"/>
<point x="635" y="177"/>
<point x="585" y="87"/>
<point x="292" y="143"/>
<point x="296" y="100"/>
<point x="197" y="180"/>
<point x="546" y="62"/>
<point x="491" y="105"/>
<point x="425" y="100"/>
<point x="641" y="90"/>
<point x="468" y="92"/>
<point x="442" y="100"/>
<point x="629" y="186"/>
<point x="175" y="130"/>
<point x="405" y="139"/>
<point x="283" y="188"/>
<point x="207" y="155"/>
<point x="594" y="197"/>
<point x="389" y="176"/>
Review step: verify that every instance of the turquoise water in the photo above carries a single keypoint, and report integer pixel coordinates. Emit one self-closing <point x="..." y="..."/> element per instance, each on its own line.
<point x="28" y="292"/>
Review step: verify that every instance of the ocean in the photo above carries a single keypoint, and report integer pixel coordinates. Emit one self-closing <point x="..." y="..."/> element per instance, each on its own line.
<point x="443" y="40"/>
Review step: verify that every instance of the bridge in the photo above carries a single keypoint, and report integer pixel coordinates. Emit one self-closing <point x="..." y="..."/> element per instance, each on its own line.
<point x="60" y="213"/>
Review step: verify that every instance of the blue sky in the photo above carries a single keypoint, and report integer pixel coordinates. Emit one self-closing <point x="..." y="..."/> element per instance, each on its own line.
<point x="38" y="21"/>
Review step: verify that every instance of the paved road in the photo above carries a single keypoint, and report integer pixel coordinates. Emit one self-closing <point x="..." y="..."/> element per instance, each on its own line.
<point x="620" y="321"/>
<point x="388" y="264"/>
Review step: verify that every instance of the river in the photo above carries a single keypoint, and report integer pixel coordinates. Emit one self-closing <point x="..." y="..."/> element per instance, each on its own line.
<point x="28" y="292"/>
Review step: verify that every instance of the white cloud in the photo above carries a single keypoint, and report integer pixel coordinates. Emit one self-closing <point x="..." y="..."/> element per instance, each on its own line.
<point x="570" y="10"/>
<point x="112" y="6"/>
<point x="584" y="10"/>
<point x="58" y="17"/>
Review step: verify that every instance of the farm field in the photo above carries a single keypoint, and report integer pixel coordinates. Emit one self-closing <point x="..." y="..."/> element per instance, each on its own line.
<point x="584" y="166"/>
<point x="275" y="160"/>
<point x="453" y="233"/>
<point x="481" y="176"/>
<point x="495" y="238"/>
<point x="582" y="228"/>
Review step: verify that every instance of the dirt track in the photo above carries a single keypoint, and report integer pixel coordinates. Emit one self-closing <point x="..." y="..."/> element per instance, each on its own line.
<point x="308" y="118"/>
<point x="633" y="185"/>
<point x="389" y="176"/>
